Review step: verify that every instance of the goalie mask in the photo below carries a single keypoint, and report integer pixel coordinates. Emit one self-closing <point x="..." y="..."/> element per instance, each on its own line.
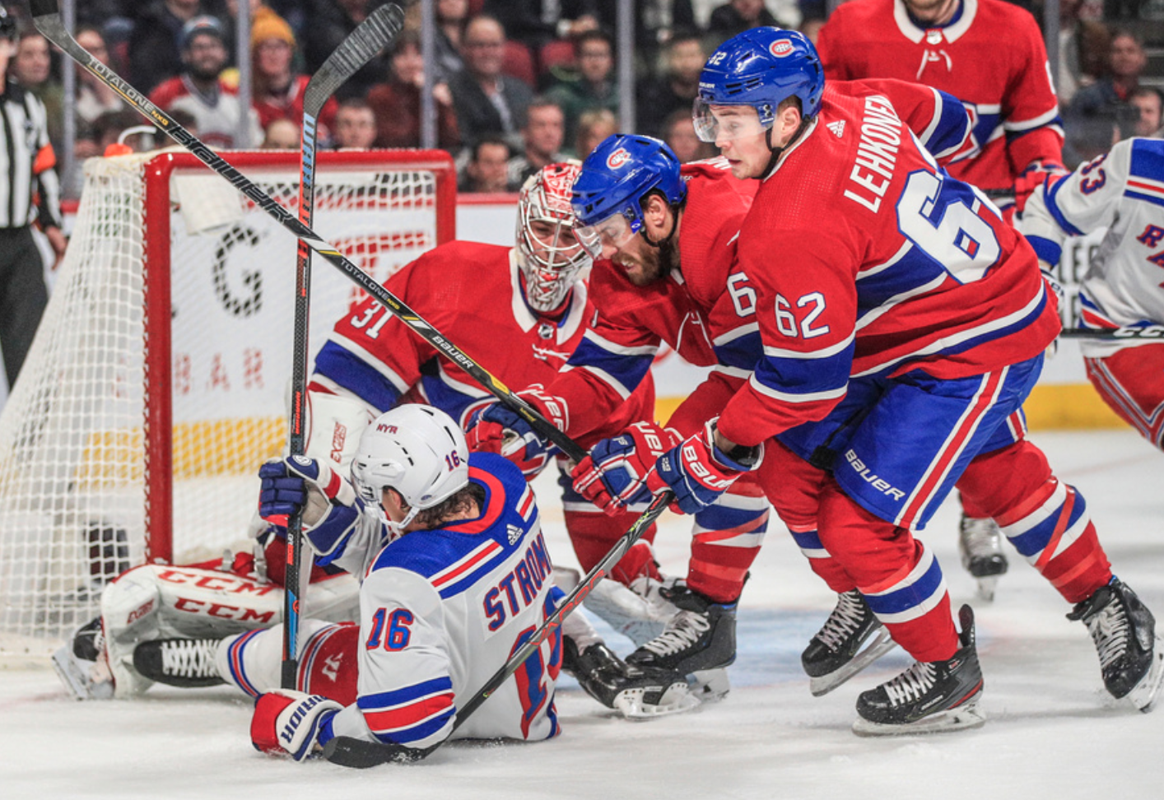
<point x="551" y="255"/>
<point x="417" y="450"/>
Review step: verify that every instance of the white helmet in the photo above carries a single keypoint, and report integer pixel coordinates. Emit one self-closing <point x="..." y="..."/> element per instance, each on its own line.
<point x="552" y="256"/>
<point x="418" y="451"/>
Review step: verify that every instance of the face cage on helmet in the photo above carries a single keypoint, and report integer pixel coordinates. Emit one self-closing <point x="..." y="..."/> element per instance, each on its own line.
<point x="731" y="121"/>
<point x="549" y="266"/>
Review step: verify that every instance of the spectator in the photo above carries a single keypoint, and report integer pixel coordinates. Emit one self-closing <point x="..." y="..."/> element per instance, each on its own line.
<point x="155" y="51"/>
<point x="657" y="24"/>
<point x="594" y="126"/>
<point x="536" y="22"/>
<point x="31" y="67"/>
<point x="679" y="134"/>
<point x="810" y="26"/>
<point x="543" y="135"/>
<point x="595" y="86"/>
<point x="328" y="22"/>
<point x="355" y="125"/>
<point x="396" y="103"/>
<point x="487" y="170"/>
<point x="739" y="15"/>
<point x="277" y="92"/>
<point x="1149" y="101"/>
<point x="94" y="97"/>
<point x="1101" y="114"/>
<point x="33" y="194"/>
<point x="1083" y="49"/>
<point x="675" y="90"/>
<point x="281" y="134"/>
<point x="200" y="90"/>
<point x="486" y="101"/>
<point x="452" y="16"/>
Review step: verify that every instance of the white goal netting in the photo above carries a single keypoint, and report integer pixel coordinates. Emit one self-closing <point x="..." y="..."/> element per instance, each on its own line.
<point x="158" y="381"/>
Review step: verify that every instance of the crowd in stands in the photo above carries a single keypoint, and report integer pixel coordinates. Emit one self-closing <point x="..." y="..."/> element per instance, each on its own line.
<point x="518" y="83"/>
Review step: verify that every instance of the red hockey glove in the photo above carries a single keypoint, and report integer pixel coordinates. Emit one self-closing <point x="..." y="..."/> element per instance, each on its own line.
<point x="287" y="722"/>
<point x="496" y="428"/>
<point x="612" y="476"/>
<point x="1033" y="178"/>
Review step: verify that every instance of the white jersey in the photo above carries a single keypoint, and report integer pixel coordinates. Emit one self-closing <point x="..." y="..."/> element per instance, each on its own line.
<point x="1123" y="190"/>
<point x="441" y="611"/>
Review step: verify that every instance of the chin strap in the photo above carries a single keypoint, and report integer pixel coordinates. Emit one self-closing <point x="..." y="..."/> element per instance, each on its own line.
<point x="675" y="209"/>
<point x="778" y="151"/>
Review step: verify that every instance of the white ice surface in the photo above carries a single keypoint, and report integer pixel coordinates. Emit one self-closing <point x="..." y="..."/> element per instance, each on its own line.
<point x="1052" y="731"/>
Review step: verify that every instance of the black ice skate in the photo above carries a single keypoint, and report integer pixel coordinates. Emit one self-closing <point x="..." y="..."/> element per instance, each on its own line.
<point x="699" y="641"/>
<point x="1124" y="632"/>
<point x="930" y="696"/>
<point x="834" y="655"/>
<point x="980" y="543"/>
<point x="187" y="663"/>
<point x="636" y="692"/>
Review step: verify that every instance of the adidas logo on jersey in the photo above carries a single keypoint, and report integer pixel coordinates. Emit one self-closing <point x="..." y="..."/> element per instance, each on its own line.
<point x="838" y="127"/>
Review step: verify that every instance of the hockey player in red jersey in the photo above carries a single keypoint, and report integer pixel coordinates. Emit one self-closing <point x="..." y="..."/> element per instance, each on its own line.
<point x="895" y="349"/>
<point x="1016" y="141"/>
<point x="671" y="280"/>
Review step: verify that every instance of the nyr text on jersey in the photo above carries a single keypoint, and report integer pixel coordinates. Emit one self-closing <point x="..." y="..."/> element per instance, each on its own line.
<point x="876" y="153"/>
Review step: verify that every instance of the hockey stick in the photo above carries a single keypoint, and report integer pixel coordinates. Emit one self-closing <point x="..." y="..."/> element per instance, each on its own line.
<point x="349" y="752"/>
<point x="47" y="18"/>
<point x="1116" y="334"/>
<point x="371" y="36"/>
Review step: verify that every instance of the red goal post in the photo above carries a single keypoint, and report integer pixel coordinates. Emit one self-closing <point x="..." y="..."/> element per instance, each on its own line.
<point x="158" y="381"/>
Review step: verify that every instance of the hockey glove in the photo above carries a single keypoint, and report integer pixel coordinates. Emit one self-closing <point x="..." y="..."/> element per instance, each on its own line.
<point x="613" y="475"/>
<point x="1034" y="178"/>
<point x="287" y="722"/>
<point x="698" y="472"/>
<point x="328" y="501"/>
<point x="496" y="428"/>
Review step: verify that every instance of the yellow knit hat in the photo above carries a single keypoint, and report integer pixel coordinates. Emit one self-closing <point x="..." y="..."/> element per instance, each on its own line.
<point x="269" y="25"/>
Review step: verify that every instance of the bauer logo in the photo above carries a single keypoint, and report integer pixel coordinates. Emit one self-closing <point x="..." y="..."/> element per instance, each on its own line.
<point x="780" y="48"/>
<point x="618" y="158"/>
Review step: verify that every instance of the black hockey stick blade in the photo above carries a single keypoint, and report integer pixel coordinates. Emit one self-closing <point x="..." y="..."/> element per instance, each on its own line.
<point x="47" y="18"/>
<point x="358" y="753"/>
<point x="361" y="45"/>
<point x="1155" y="332"/>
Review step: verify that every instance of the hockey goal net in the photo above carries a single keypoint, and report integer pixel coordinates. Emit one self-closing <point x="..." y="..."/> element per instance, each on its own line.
<point x="159" y="378"/>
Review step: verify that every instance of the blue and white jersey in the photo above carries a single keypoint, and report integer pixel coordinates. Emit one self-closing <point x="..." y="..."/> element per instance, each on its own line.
<point x="1123" y="190"/>
<point x="441" y="611"/>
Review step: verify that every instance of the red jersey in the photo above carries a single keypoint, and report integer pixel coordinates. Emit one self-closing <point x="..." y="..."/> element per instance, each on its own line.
<point x="471" y="293"/>
<point x="290" y="106"/>
<point x="990" y="56"/>
<point x="866" y="258"/>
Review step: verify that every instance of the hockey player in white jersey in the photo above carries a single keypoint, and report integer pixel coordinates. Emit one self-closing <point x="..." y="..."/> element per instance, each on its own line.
<point x="1124" y="191"/>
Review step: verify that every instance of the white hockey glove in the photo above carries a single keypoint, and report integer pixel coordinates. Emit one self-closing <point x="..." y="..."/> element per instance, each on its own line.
<point x="1056" y="287"/>
<point x="287" y="722"/>
<point x="328" y="501"/>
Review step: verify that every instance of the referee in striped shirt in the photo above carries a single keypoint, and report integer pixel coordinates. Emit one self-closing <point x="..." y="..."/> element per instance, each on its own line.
<point x="29" y="191"/>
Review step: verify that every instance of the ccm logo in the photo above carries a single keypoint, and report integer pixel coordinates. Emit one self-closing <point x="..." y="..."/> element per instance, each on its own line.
<point x="780" y="48"/>
<point x="617" y="158"/>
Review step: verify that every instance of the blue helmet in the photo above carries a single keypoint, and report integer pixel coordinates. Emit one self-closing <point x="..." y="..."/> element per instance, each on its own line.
<point x="762" y="67"/>
<point x="619" y="173"/>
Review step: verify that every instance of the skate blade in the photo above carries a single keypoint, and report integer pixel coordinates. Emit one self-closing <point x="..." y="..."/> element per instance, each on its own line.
<point x="823" y="684"/>
<point x="75" y="676"/>
<point x="963" y="717"/>
<point x="676" y="700"/>
<point x="1145" y="693"/>
<point x="986" y="587"/>
<point x="709" y="685"/>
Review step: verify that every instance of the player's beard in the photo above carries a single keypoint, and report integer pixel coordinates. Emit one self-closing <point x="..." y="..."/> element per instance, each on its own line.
<point x="654" y="264"/>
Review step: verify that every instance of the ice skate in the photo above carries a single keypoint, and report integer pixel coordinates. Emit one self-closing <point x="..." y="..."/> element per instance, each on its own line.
<point x="635" y="692"/>
<point x="699" y="641"/>
<point x="930" y="696"/>
<point x="187" y="663"/>
<point x="1124" y="632"/>
<point x="980" y="543"/>
<point x="835" y="654"/>
<point x="640" y="612"/>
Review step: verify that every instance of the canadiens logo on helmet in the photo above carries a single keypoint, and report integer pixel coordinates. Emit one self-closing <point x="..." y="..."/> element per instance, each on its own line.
<point x="780" y="48"/>
<point x="617" y="158"/>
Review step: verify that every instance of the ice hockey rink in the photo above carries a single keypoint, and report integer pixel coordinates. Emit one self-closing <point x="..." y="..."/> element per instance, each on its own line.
<point x="1052" y="730"/>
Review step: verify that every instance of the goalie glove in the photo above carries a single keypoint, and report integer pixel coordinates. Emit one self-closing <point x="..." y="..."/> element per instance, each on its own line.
<point x="496" y="428"/>
<point x="613" y="476"/>
<point x="698" y="472"/>
<point x="287" y="722"/>
<point x="327" y="500"/>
